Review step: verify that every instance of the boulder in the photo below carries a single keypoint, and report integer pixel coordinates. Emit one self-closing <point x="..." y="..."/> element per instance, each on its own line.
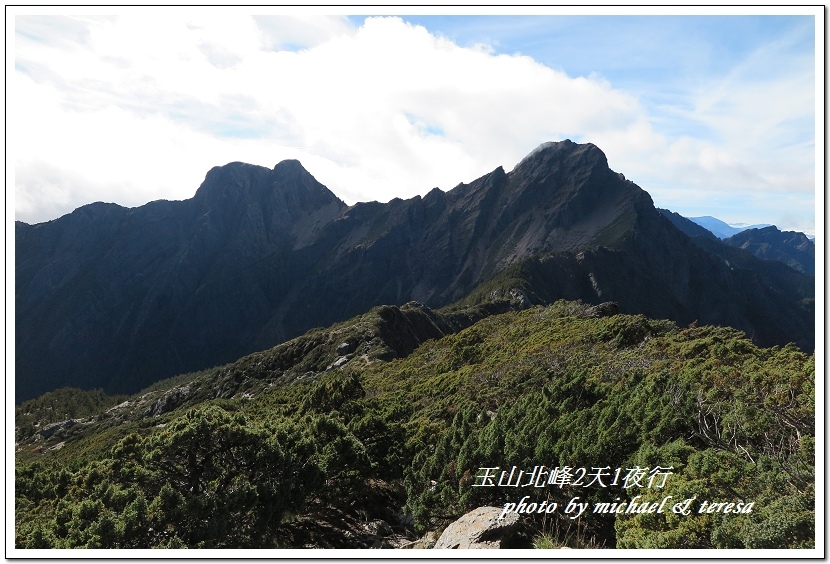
<point x="338" y="362"/>
<point x="605" y="309"/>
<point x="480" y="528"/>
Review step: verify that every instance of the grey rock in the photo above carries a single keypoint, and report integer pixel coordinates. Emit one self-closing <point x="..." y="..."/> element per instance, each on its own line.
<point x="480" y="528"/>
<point x="52" y="428"/>
<point x="378" y="527"/>
<point x="338" y="362"/>
<point x="168" y="402"/>
<point x="345" y="348"/>
<point x="606" y="309"/>
<point x="519" y="299"/>
<point x="120" y="406"/>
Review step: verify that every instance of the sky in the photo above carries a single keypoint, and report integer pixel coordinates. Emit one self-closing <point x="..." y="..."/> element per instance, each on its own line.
<point x="711" y="114"/>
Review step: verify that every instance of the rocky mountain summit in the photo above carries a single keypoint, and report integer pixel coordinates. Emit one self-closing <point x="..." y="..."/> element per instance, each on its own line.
<point x="118" y="298"/>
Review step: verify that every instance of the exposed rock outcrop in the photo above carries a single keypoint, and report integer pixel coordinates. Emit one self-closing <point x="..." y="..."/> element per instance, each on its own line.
<point x="480" y="528"/>
<point x="168" y="402"/>
<point x="606" y="309"/>
<point x="52" y="428"/>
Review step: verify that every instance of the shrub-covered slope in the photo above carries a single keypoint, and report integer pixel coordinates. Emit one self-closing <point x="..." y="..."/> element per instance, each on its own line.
<point x="313" y="461"/>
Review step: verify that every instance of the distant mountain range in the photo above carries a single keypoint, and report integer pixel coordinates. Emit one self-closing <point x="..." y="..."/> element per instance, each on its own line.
<point x="792" y="248"/>
<point x="721" y="229"/>
<point x="118" y="298"/>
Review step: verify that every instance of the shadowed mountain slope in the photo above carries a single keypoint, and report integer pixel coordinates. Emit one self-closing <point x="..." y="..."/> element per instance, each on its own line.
<point x="792" y="248"/>
<point x="118" y="298"/>
<point x="687" y="226"/>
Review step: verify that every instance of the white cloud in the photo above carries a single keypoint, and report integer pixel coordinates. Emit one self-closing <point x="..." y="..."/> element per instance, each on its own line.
<point x="748" y="154"/>
<point x="135" y="108"/>
<point x="298" y="30"/>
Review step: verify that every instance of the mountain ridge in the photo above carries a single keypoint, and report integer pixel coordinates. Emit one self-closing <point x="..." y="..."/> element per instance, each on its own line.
<point x="793" y="248"/>
<point x="119" y="297"/>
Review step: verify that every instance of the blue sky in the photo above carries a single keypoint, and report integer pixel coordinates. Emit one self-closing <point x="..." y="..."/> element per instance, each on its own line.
<point x="627" y="49"/>
<point x="712" y="115"/>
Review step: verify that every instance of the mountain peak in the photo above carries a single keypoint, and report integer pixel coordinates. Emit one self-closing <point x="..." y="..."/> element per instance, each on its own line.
<point x="290" y="166"/>
<point x="585" y="202"/>
<point x="288" y="187"/>
<point x="235" y="177"/>
<point x="566" y="149"/>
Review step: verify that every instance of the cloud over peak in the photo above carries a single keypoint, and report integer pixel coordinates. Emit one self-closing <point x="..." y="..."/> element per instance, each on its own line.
<point x="137" y="107"/>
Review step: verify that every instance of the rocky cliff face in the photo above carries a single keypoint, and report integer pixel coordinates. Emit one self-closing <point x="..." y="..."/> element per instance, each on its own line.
<point x="117" y="298"/>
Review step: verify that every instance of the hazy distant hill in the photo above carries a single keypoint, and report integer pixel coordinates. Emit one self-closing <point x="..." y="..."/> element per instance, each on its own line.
<point x="722" y="229"/>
